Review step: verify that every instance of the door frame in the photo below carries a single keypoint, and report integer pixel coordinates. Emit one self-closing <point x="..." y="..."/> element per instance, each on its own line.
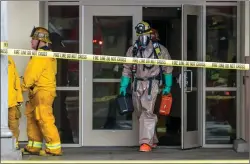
<point x="45" y="6"/>
<point x="142" y="3"/>
<point x="92" y="137"/>
<point x="192" y="139"/>
<point x="88" y="77"/>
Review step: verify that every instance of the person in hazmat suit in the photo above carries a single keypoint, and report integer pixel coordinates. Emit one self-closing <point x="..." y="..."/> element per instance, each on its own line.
<point x="155" y="35"/>
<point x="40" y="81"/>
<point x="146" y="80"/>
<point x="15" y="98"/>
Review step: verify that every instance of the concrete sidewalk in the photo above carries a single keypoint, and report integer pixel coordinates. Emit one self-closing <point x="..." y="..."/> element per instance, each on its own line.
<point x="124" y="153"/>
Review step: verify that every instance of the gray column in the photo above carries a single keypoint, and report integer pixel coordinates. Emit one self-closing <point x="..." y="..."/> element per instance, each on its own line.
<point x="248" y="86"/>
<point x="241" y="144"/>
<point x="247" y="74"/>
<point x="5" y="132"/>
<point x="8" y="151"/>
<point x="247" y="83"/>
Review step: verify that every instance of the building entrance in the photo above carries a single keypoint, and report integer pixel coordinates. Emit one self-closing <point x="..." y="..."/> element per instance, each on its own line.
<point x="85" y="90"/>
<point x="111" y="31"/>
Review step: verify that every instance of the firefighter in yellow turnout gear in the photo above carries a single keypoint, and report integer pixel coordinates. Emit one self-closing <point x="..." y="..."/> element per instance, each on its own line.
<point x="40" y="81"/>
<point x="15" y="98"/>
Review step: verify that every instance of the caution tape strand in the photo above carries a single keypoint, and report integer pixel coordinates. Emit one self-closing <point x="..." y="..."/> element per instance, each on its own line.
<point x="117" y="59"/>
<point x="108" y="98"/>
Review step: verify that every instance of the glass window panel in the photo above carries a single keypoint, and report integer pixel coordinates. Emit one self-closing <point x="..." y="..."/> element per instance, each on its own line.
<point x="192" y="111"/>
<point x="64" y="20"/>
<point x="221" y="34"/>
<point x="192" y="78"/>
<point x="105" y="111"/>
<point x="66" y="111"/>
<point x="220" y="117"/>
<point x="112" y="35"/>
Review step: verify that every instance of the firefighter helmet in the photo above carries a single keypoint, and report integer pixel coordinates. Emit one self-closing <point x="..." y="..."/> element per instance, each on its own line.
<point x="142" y="28"/>
<point x="40" y="33"/>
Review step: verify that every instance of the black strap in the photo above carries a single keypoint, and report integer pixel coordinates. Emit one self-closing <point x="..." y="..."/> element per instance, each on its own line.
<point x="37" y="46"/>
<point x="150" y="79"/>
<point x="150" y="87"/>
<point x="135" y="48"/>
<point x="134" y="66"/>
<point x="135" y="84"/>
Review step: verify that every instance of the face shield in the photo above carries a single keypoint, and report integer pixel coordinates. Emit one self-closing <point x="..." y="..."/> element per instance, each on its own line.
<point x="144" y="40"/>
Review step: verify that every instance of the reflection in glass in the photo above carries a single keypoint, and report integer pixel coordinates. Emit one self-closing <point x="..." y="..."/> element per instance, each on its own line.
<point x="221" y="44"/>
<point x="66" y="111"/>
<point x="112" y="35"/>
<point x="64" y="20"/>
<point x="105" y="112"/>
<point x="220" y="117"/>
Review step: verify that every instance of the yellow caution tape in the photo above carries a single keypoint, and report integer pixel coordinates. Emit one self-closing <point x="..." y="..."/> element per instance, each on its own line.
<point x="104" y="99"/>
<point x="4" y="45"/>
<point x="117" y="59"/>
<point x="108" y="98"/>
<point x="162" y="130"/>
<point x="221" y="97"/>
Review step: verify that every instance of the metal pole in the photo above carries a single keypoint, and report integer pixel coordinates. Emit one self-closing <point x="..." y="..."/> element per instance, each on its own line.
<point x="248" y="84"/>
<point x="5" y="131"/>
<point x="8" y="151"/>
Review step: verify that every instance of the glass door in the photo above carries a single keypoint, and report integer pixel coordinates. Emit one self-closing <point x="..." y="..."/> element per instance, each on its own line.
<point x="107" y="30"/>
<point x="64" y="20"/>
<point x="192" y="77"/>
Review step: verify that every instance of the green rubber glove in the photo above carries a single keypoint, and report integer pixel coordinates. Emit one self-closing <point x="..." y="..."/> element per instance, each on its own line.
<point x="168" y="84"/>
<point x="124" y="84"/>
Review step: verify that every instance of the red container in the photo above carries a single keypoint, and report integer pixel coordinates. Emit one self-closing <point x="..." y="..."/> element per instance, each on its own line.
<point x="166" y="104"/>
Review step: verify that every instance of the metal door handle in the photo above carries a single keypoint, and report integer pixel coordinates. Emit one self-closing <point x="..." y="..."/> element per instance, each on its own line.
<point x="186" y="80"/>
<point x="179" y="80"/>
